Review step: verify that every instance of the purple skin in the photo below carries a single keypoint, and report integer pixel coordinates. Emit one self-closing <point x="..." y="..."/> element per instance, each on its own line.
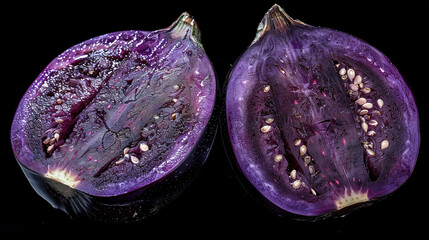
<point x="117" y="112"/>
<point x="319" y="120"/>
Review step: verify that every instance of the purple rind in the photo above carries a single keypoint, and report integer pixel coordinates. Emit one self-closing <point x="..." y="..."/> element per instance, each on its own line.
<point x="346" y="186"/>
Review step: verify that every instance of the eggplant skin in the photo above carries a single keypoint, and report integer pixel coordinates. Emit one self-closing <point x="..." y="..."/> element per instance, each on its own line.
<point x="319" y="121"/>
<point x="133" y="206"/>
<point x="119" y="125"/>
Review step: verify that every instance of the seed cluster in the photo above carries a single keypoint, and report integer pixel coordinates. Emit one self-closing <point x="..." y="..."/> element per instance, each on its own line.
<point x="297" y="180"/>
<point x="132" y="154"/>
<point x="367" y="108"/>
<point x="308" y="162"/>
<point x="51" y="137"/>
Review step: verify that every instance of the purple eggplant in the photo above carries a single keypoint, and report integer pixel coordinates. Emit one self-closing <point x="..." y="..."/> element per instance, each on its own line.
<point x="117" y="126"/>
<point x="320" y="122"/>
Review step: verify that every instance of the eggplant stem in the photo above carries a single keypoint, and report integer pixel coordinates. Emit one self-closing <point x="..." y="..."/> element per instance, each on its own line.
<point x="185" y="26"/>
<point x="275" y="19"/>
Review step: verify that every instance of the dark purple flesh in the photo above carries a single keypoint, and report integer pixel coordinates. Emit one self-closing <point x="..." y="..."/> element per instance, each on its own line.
<point x="319" y="120"/>
<point x="113" y="116"/>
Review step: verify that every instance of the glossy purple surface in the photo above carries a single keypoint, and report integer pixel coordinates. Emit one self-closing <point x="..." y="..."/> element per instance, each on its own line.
<point x="117" y="112"/>
<point x="318" y="119"/>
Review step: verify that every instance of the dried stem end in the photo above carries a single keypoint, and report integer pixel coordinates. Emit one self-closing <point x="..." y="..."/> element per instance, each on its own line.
<point x="275" y="19"/>
<point x="185" y="26"/>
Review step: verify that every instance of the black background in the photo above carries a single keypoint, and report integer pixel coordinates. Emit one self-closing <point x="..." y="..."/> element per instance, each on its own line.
<point x="215" y="205"/>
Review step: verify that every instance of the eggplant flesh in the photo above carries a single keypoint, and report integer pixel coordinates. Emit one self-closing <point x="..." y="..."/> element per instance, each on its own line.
<point x="319" y="121"/>
<point x="118" y="125"/>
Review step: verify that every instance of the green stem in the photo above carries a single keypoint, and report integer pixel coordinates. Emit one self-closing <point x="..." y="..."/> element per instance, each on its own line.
<point x="275" y="19"/>
<point x="185" y="26"/>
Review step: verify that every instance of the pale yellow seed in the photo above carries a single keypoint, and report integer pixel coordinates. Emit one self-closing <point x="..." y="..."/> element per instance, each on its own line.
<point x="143" y="147"/>
<point x="342" y="71"/>
<point x="278" y="158"/>
<point x="57" y="136"/>
<point x="367" y="105"/>
<point x="363" y="112"/>
<point x="293" y="174"/>
<point x="384" y="144"/>
<point x="173" y="116"/>
<point x="370" y="152"/>
<point x="371" y="133"/>
<point x="302" y="150"/>
<point x="269" y="120"/>
<point x="364" y="126"/>
<point x="297" y="184"/>
<point x="47" y="140"/>
<point x="120" y="161"/>
<point x="361" y="101"/>
<point x="380" y="103"/>
<point x="313" y="191"/>
<point x="134" y="160"/>
<point x="373" y="123"/>
<point x="357" y="80"/>
<point x="354" y="87"/>
<point x="297" y="142"/>
<point x="351" y="74"/>
<point x="267" y="88"/>
<point x="126" y="150"/>
<point x="265" y="128"/>
<point x="50" y="148"/>
<point x="59" y="101"/>
<point x="366" y="90"/>
<point x="59" y="120"/>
